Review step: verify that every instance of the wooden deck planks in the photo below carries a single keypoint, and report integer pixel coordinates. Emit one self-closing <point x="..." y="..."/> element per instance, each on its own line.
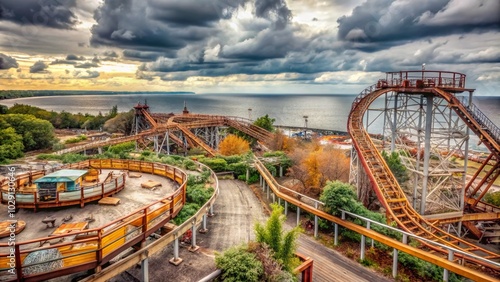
<point x="109" y="201"/>
<point x="330" y="266"/>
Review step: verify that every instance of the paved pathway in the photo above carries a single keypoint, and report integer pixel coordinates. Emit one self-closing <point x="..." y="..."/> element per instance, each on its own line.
<point x="236" y="210"/>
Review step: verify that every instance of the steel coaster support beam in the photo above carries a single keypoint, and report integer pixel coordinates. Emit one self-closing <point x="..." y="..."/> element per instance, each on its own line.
<point x="427" y="151"/>
<point x="394" y="123"/>
<point x="419" y="144"/>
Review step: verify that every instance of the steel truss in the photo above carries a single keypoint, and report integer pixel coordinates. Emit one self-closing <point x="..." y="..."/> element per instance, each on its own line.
<point x="428" y="135"/>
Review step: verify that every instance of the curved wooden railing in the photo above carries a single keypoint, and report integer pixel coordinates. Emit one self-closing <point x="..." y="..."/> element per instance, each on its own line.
<point x="95" y="247"/>
<point x="315" y="207"/>
<point x="165" y="240"/>
<point x="29" y="199"/>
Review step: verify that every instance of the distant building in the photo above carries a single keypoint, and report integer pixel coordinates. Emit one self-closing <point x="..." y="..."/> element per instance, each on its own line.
<point x="59" y="181"/>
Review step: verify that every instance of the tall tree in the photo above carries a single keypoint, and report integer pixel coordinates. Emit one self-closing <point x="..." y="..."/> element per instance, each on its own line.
<point x="315" y="164"/>
<point x="265" y="122"/>
<point x="11" y="144"/>
<point x="36" y="133"/>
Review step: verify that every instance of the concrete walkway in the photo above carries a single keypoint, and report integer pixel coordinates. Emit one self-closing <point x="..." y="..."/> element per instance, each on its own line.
<point x="236" y="211"/>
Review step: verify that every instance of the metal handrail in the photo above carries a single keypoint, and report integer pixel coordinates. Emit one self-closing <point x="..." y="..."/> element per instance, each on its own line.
<point x="297" y="195"/>
<point x="404" y="233"/>
<point x="482" y="119"/>
<point x="366" y="231"/>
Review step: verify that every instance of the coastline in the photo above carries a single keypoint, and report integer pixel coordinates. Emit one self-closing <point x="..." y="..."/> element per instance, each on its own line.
<point x="17" y="94"/>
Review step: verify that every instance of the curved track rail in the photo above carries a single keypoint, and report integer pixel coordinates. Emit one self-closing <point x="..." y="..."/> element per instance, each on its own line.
<point x="314" y="207"/>
<point x="385" y="185"/>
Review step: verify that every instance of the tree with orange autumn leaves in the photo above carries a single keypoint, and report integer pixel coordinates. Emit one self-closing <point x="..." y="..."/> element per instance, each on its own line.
<point x="315" y="164"/>
<point x="233" y="145"/>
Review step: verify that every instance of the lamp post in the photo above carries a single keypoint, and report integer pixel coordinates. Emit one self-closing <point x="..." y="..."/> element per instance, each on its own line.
<point x="305" y="125"/>
<point x="423" y="70"/>
<point x="250" y="113"/>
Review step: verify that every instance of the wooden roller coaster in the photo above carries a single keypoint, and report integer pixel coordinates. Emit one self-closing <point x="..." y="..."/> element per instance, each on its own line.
<point x="384" y="183"/>
<point x="159" y="124"/>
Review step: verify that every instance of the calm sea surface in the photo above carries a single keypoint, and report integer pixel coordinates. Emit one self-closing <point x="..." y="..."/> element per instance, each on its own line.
<point x="323" y="111"/>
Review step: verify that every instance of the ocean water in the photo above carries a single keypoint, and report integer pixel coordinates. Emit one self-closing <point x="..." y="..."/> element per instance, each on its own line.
<point x="323" y="111"/>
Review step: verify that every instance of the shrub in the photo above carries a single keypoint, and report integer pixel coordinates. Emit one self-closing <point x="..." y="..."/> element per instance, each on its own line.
<point x="233" y="159"/>
<point x="48" y="157"/>
<point x="238" y="168"/>
<point x="189" y="165"/>
<point x="216" y="164"/>
<point x="73" y="158"/>
<point x="186" y="212"/>
<point x="253" y="179"/>
<point x="282" y="243"/>
<point x="338" y="195"/>
<point x="493" y="198"/>
<point x="237" y="264"/>
<point x="233" y="145"/>
<point x="398" y="169"/>
<point x="76" y="139"/>
<point x="122" y="147"/>
<point x="198" y="194"/>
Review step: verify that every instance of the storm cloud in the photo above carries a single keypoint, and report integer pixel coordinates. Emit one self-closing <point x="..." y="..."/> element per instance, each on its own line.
<point x="215" y="43"/>
<point x="50" y="13"/>
<point x="73" y="57"/>
<point x="39" y="67"/>
<point x="7" y="62"/>
<point x="173" y="25"/>
<point x="396" y="22"/>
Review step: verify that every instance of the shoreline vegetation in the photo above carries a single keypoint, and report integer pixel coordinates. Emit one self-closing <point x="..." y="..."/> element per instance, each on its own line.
<point x="14" y="94"/>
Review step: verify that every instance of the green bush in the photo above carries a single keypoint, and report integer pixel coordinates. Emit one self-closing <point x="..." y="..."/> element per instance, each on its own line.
<point x="282" y="243"/>
<point x="398" y="169"/>
<point x="198" y="194"/>
<point x="189" y="165"/>
<point x="237" y="264"/>
<point x="253" y="179"/>
<point x="73" y="158"/>
<point x="338" y="195"/>
<point x="122" y="148"/>
<point x="216" y="164"/>
<point x="493" y="198"/>
<point x="233" y="159"/>
<point x="56" y="146"/>
<point x="283" y="158"/>
<point x="48" y="157"/>
<point x="238" y="168"/>
<point x="76" y="139"/>
<point x="186" y="212"/>
<point x="271" y="168"/>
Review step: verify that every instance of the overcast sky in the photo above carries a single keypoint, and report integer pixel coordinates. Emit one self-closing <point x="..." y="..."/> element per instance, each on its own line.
<point x="243" y="46"/>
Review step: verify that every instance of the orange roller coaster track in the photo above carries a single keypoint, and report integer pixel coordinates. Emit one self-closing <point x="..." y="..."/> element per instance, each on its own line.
<point x="384" y="183"/>
<point x="160" y="124"/>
